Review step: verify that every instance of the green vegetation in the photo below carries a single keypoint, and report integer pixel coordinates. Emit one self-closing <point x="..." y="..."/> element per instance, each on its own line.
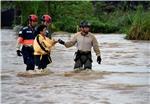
<point x="130" y="17"/>
<point x="140" y="28"/>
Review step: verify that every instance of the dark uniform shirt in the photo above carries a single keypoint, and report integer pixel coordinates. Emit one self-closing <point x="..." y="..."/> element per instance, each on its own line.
<point x="27" y="35"/>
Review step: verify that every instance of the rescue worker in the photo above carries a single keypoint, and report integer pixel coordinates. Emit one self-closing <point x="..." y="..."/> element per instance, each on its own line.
<point x="47" y="20"/>
<point x="42" y="46"/>
<point x="85" y="40"/>
<point x="25" y="39"/>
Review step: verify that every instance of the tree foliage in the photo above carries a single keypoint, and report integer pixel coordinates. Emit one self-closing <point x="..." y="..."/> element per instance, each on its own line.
<point x="105" y="16"/>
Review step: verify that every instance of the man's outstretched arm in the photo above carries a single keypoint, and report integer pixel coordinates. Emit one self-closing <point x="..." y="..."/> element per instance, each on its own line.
<point x="68" y="44"/>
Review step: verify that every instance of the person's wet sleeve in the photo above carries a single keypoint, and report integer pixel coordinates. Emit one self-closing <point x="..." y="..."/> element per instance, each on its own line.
<point x="72" y="42"/>
<point x="96" y="46"/>
<point x="18" y="44"/>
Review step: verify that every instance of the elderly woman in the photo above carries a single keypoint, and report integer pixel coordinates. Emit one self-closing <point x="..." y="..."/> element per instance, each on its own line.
<point x="42" y="47"/>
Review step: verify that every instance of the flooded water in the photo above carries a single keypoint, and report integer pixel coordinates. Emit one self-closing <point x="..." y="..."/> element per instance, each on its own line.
<point x="122" y="78"/>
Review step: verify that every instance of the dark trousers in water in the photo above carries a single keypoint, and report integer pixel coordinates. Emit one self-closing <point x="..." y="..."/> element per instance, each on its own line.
<point x="42" y="60"/>
<point x="83" y="59"/>
<point x="28" y="57"/>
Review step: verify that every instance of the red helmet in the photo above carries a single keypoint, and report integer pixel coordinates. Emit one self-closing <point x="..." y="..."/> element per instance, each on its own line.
<point x="46" y="18"/>
<point x="33" y="18"/>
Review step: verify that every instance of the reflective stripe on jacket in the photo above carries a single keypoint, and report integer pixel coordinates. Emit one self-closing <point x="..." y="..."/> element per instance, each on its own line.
<point x="26" y="36"/>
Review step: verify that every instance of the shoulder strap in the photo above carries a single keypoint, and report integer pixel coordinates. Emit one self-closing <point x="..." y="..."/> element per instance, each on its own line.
<point x="41" y="44"/>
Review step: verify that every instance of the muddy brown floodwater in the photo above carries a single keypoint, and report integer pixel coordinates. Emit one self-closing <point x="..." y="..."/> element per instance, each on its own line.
<point x="122" y="78"/>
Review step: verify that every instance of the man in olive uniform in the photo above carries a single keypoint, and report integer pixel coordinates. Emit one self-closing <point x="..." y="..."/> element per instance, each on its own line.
<point x="84" y="41"/>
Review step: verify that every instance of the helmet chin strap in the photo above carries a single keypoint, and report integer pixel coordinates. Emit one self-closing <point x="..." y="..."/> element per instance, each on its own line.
<point x="31" y="25"/>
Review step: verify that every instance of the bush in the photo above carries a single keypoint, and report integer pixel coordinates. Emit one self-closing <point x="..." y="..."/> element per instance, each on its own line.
<point x="100" y="27"/>
<point x="140" y="28"/>
<point x="66" y="24"/>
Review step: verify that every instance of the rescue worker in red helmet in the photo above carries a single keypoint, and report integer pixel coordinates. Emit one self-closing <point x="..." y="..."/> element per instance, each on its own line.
<point x="25" y="39"/>
<point x="47" y="20"/>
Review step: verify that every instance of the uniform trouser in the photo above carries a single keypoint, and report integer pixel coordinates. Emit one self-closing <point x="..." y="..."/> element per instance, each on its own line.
<point x="83" y="60"/>
<point x="28" y="57"/>
<point x="42" y="61"/>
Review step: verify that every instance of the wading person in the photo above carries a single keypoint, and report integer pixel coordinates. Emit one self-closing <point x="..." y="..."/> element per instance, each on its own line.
<point x="42" y="47"/>
<point x="84" y="41"/>
<point x="25" y="39"/>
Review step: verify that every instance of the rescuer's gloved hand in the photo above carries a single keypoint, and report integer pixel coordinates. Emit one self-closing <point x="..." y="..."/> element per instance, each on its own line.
<point x="99" y="59"/>
<point x="19" y="53"/>
<point x="61" y="41"/>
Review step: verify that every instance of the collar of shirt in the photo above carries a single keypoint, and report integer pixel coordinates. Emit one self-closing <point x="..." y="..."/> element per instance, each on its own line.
<point x="87" y="35"/>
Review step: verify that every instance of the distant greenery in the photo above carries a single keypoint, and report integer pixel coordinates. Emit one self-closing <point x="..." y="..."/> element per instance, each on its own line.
<point x="140" y="28"/>
<point x="130" y="17"/>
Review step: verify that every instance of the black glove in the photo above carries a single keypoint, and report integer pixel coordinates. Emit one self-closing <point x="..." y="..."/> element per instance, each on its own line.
<point x="19" y="53"/>
<point x="61" y="41"/>
<point x="99" y="59"/>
